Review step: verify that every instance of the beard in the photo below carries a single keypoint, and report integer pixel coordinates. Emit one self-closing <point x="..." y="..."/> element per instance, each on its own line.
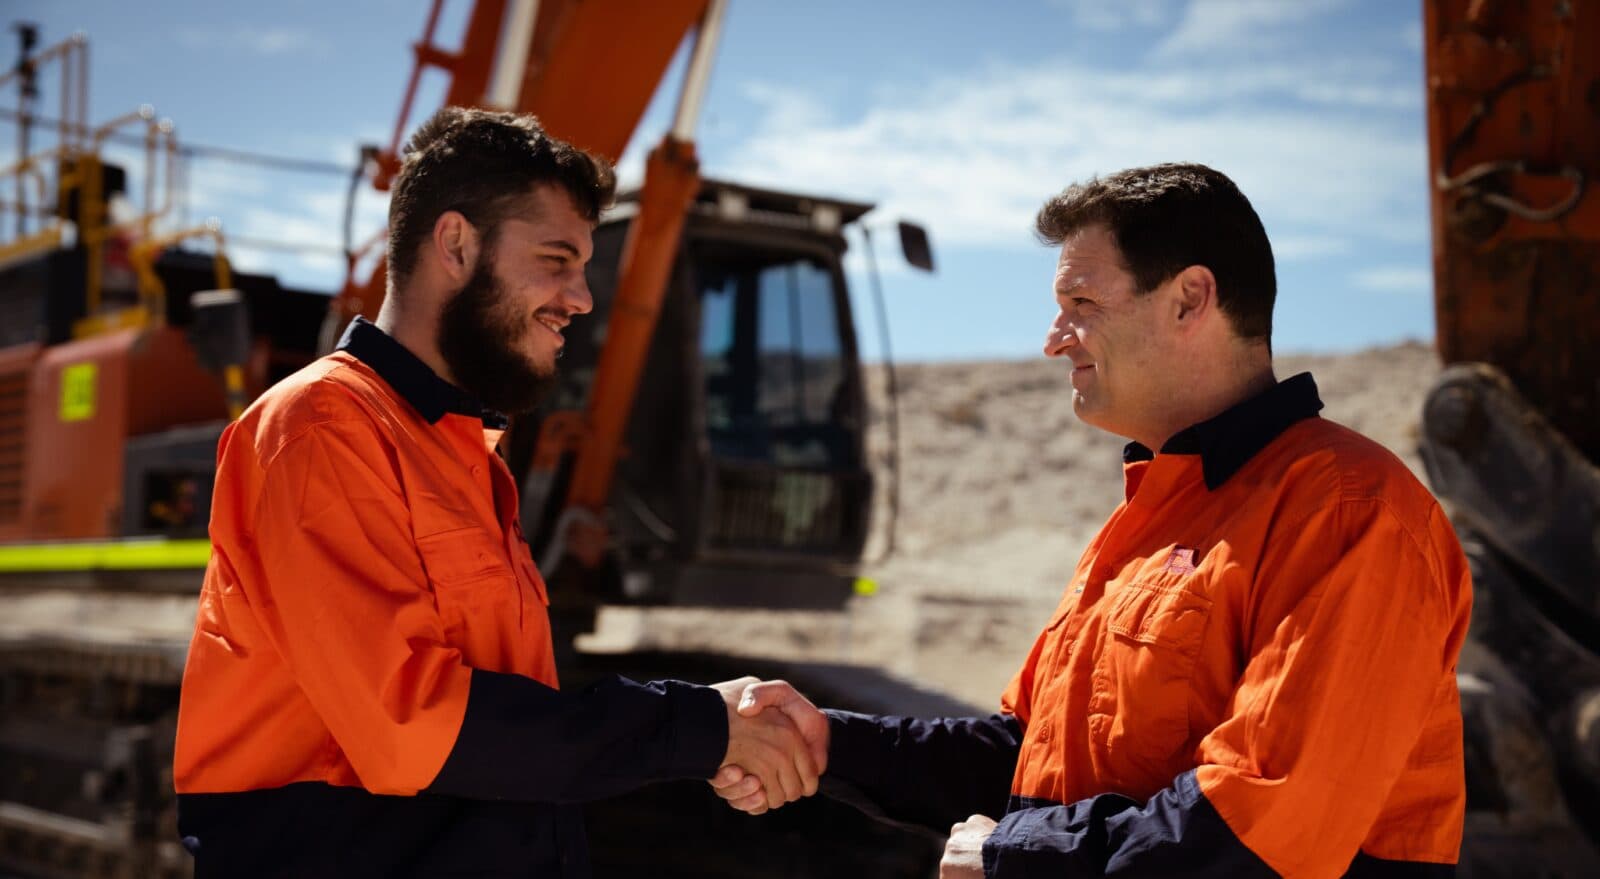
<point x="480" y="336"/>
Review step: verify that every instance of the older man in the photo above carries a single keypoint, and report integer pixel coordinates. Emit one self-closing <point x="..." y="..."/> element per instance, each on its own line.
<point x="1252" y="670"/>
<point x="371" y="689"/>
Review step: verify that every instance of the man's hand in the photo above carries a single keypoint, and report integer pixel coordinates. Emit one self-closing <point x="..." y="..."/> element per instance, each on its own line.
<point x="767" y="746"/>
<point x="743" y="790"/>
<point x="963" y="853"/>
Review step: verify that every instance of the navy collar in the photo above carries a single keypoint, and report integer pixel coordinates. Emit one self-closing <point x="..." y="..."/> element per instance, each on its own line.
<point x="430" y="395"/>
<point x="1227" y="441"/>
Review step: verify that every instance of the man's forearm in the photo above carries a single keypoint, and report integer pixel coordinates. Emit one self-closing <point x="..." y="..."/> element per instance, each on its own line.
<point x="522" y="740"/>
<point x="931" y="772"/>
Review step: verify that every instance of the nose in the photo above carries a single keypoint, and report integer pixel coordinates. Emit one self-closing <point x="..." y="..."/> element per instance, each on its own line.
<point x="1062" y="337"/>
<point x="578" y="297"/>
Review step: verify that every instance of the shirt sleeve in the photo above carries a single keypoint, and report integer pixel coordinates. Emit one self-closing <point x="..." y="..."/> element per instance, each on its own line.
<point x="331" y="573"/>
<point x="1352" y="645"/>
<point x="930" y="773"/>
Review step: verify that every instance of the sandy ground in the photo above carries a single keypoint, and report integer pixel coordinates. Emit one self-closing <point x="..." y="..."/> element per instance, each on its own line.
<point x="1002" y="487"/>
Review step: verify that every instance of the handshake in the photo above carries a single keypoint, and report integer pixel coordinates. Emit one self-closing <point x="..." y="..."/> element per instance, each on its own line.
<point x="778" y="748"/>
<point x="777" y="745"/>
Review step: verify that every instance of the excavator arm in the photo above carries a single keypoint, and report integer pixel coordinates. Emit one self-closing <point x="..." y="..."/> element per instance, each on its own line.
<point x="587" y="69"/>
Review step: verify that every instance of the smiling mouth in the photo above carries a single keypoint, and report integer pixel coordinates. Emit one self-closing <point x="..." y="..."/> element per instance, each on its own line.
<point x="553" y="325"/>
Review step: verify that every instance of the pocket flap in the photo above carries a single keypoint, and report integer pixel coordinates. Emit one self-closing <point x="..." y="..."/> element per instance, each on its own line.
<point x="1169" y="616"/>
<point x="462" y="554"/>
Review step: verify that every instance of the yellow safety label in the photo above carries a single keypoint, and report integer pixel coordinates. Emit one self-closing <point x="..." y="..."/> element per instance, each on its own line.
<point x="77" y="391"/>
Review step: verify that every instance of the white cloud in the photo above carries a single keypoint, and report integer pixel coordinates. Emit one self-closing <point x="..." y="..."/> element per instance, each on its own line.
<point x="342" y="148"/>
<point x="1406" y="280"/>
<point x="279" y="223"/>
<point x="1235" y="25"/>
<point x="213" y="186"/>
<point x="316" y="233"/>
<point x="256" y="40"/>
<point x="1375" y="95"/>
<point x="1295" y="247"/>
<point x="1411" y="36"/>
<point x="1098" y="15"/>
<point x="973" y="155"/>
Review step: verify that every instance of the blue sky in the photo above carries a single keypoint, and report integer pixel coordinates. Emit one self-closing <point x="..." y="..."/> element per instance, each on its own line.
<point x="963" y="116"/>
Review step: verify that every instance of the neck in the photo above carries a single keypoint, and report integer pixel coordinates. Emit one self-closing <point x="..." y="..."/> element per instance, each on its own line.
<point x="1203" y="396"/>
<point x="417" y="332"/>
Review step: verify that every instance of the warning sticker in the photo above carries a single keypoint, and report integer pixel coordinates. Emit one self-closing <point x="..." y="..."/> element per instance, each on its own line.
<point x="77" y="392"/>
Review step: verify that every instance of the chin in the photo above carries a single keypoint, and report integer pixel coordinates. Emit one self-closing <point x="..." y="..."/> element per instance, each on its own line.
<point x="543" y="367"/>
<point x="1090" y="414"/>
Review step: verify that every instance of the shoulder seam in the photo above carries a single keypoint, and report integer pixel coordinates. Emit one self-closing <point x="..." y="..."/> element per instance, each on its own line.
<point x="290" y="439"/>
<point x="1417" y="544"/>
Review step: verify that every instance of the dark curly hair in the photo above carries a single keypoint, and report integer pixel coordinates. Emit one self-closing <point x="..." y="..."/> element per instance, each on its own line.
<point x="482" y="164"/>
<point x="1166" y="218"/>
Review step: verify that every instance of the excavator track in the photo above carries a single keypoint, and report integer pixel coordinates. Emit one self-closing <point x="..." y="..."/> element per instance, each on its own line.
<point x="88" y="696"/>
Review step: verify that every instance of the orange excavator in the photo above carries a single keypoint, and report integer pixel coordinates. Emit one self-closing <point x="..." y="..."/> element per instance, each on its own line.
<point x="706" y="443"/>
<point x="1511" y="430"/>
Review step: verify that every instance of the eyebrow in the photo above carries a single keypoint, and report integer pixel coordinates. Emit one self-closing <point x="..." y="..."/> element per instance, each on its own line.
<point x="1064" y="287"/>
<point x="562" y="244"/>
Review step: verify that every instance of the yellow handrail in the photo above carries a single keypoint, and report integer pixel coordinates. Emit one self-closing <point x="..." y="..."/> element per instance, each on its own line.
<point x="76" y="163"/>
<point x="152" y="292"/>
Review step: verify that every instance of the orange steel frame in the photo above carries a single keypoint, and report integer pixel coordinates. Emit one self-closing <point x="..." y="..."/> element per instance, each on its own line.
<point x="1514" y="155"/>
<point x="591" y="69"/>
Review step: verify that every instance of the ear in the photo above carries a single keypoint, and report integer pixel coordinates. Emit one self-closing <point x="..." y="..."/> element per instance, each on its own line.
<point x="1195" y="292"/>
<point x="455" y="245"/>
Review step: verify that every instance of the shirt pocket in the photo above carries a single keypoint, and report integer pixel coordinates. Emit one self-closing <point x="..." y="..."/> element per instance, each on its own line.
<point x="474" y="585"/>
<point x="1139" y="719"/>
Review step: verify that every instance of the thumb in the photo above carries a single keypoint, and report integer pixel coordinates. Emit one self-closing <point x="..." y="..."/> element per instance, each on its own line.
<point x="763" y="695"/>
<point x="726" y="776"/>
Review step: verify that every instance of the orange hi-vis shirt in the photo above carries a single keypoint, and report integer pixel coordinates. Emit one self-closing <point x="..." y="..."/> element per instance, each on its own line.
<point x="371" y="687"/>
<point x="1251" y="674"/>
<point x="427" y="514"/>
<point x="1271" y="625"/>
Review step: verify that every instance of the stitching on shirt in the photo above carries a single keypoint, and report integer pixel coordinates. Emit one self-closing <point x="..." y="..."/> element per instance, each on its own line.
<point x="266" y="465"/>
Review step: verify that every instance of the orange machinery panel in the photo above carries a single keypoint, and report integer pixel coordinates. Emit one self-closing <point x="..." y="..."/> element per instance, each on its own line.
<point x="597" y="64"/>
<point x="84" y="400"/>
<point x="591" y="69"/>
<point x="1514" y="151"/>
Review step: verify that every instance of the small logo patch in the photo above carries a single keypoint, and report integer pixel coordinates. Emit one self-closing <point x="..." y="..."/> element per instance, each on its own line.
<point x="1180" y="562"/>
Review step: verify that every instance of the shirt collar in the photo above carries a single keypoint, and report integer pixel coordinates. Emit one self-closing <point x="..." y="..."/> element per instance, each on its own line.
<point x="430" y="395"/>
<point x="1227" y="441"/>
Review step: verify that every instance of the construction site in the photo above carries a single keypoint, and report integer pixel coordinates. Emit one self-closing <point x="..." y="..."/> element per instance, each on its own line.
<point x="732" y="474"/>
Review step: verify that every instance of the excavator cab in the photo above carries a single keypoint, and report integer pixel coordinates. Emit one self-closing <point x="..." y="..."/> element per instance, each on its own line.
<point x="743" y="478"/>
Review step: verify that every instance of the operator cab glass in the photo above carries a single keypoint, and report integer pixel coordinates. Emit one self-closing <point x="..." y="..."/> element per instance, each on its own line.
<point x="745" y="439"/>
<point x="771" y="358"/>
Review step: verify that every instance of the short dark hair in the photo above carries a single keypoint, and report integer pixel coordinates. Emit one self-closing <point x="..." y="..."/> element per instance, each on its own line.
<point x="1168" y="217"/>
<point x="482" y="163"/>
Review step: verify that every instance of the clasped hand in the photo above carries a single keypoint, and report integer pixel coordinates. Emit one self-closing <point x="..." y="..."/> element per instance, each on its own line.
<point x="777" y="748"/>
<point x="777" y="745"/>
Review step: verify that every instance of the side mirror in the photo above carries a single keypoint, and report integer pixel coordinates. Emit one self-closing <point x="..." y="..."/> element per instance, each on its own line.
<point x="914" y="245"/>
<point x="221" y="329"/>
